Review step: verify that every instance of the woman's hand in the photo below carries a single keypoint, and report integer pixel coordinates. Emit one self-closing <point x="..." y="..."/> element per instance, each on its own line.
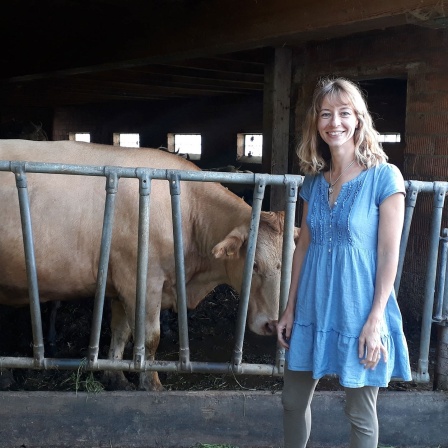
<point x="284" y="328"/>
<point x="370" y="347"/>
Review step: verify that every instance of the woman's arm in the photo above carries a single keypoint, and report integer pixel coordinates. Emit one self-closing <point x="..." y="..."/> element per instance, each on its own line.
<point x="389" y="236"/>
<point x="284" y="325"/>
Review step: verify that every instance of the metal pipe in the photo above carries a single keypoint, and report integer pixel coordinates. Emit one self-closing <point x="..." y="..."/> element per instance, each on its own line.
<point x="157" y="174"/>
<point x="438" y="306"/>
<point x="30" y="262"/>
<point x="411" y="199"/>
<point x="103" y="265"/>
<point x="159" y="366"/>
<point x="445" y="295"/>
<point x="184" y="349"/>
<point x="247" y="273"/>
<point x="287" y="255"/>
<point x="142" y="268"/>
<point x="423" y="362"/>
<point x="129" y="366"/>
<point x="424" y="186"/>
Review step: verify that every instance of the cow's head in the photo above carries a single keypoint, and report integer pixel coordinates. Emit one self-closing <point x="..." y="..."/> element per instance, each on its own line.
<point x="265" y="289"/>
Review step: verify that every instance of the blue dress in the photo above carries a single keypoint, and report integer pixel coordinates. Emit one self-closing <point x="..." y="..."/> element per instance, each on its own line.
<point x="337" y="283"/>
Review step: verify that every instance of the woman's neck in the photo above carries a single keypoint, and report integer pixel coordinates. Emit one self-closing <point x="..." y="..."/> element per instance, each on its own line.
<point x="340" y="160"/>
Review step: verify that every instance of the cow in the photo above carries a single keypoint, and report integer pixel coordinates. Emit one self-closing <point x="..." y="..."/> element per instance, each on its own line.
<point x="67" y="214"/>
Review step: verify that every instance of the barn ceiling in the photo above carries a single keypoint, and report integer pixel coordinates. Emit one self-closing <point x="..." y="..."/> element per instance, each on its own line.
<point x="61" y="52"/>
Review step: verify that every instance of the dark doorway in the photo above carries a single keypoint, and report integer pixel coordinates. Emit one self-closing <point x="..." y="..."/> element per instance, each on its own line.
<point x="386" y="99"/>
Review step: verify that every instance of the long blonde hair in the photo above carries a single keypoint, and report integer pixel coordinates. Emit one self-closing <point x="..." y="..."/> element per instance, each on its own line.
<point x="313" y="153"/>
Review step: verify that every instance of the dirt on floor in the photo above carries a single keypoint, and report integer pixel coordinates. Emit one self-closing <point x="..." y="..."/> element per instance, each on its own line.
<point x="211" y="335"/>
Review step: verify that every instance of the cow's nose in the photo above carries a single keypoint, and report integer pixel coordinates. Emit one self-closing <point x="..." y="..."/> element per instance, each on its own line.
<point x="270" y="327"/>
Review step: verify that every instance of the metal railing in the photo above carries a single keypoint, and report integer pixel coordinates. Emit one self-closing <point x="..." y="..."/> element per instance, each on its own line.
<point x="112" y="174"/>
<point x="432" y="303"/>
<point x="291" y="185"/>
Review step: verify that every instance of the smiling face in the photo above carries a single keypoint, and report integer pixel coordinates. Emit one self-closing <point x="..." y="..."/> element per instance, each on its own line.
<point x="337" y="122"/>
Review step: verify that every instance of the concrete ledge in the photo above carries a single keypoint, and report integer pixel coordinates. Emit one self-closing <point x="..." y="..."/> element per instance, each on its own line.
<point x="182" y="419"/>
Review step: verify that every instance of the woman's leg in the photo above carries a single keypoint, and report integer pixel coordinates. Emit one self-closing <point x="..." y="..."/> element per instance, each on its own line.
<point x="298" y="390"/>
<point x="361" y="411"/>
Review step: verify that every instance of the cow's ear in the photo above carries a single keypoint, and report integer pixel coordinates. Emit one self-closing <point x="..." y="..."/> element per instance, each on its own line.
<point x="231" y="245"/>
<point x="275" y="220"/>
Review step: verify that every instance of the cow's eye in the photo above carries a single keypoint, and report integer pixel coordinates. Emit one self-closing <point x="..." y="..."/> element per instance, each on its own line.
<point x="255" y="267"/>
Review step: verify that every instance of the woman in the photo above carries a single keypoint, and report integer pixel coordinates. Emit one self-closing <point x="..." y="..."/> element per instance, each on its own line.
<point x="342" y="316"/>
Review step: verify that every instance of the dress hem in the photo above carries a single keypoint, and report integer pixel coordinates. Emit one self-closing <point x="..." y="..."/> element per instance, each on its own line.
<point x="344" y="383"/>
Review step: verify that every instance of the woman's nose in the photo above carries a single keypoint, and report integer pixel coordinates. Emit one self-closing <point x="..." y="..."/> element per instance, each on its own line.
<point x="335" y="120"/>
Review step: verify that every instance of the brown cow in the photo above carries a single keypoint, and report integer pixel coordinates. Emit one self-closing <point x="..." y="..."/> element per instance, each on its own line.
<point x="67" y="214"/>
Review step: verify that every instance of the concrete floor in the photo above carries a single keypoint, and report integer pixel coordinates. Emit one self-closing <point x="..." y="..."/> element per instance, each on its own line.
<point x="183" y="419"/>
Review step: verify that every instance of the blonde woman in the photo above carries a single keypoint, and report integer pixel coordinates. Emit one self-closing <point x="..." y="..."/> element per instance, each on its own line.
<point x="342" y="316"/>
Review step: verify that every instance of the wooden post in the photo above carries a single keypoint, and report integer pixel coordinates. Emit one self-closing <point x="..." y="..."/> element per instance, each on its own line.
<point x="276" y="119"/>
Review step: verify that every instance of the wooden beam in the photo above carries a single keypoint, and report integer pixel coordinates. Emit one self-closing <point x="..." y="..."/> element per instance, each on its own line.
<point x="78" y="90"/>
<point x="276" y="120"/>
<point x="161" y="33"/>
<point x="194" y="74"/>
<point x="155" y="78"/>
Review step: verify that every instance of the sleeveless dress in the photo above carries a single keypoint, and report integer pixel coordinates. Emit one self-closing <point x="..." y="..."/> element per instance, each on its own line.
<point x="337" y="283"/>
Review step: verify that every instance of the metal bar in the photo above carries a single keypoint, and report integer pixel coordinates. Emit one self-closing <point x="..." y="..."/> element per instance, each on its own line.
<point x="142" y="269"/>
<point x="439" y="199"/>
<point x="103" y="265"/>
<point x="184" y="350"/>
<point x="247" y="274"/>
<point x="30" y="262"/>
<point x="157" y="174"/>
<point x="445" y="298"/>
<point x="441" y="317"/>
<point x="287" y="254"/>
<point x="411" y="199"/>
<point x="438" y="306"/>
<point x="424" y="186"/>
<point x="129" y="366"/>
<point x="159" y="366"/>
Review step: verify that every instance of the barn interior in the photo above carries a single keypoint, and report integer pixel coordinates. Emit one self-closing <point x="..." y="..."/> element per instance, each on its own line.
<point x="227" y="68"/>
<point x="189" y="66"/>
<point x="223" y="69"/>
